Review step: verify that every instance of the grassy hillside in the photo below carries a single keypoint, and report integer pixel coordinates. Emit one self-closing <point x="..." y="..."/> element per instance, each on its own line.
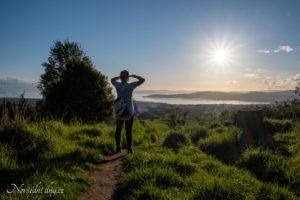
<point x="187" y="162"/>
<point x="50" y="152"/>
<point x="218" y="166"/>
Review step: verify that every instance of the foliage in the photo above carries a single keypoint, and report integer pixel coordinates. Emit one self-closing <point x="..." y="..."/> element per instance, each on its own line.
<point x="225" y="146"/>
<point x="175" y="140"/>
<point x="266" y="165"/>
<point x="218" y="166"/>
<point x="176" y="116"/>
<point x="60" y="54"/>
<point x="18" y="108"/>
<point x="74" y="148"/>
<point x="275" y="125"/>
<point x="160" y="173"/>
<point x="285" y="110"/>
<point x="199" y="133"/>
<point x="227" y="115"/>
<point x="297" y="89"/>
<point x="72" y="87"/>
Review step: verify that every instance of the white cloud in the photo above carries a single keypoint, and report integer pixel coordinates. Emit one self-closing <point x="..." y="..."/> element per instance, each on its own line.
<point x="232" y="82"/>
<point x="283" y="48"/>
<point x="254" y="70"/>
<point x="276" y="83"/>
<point x="253" y="76"/>
<point x="296" y="77"/>
<point x="279" y="49"/>
<point x="263" y="51"/>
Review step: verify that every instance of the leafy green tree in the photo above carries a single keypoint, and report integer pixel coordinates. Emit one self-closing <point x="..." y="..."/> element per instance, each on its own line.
<point x="297" y="89"/>
<point x="72" y="87"/>
<point x="60" y="54"/>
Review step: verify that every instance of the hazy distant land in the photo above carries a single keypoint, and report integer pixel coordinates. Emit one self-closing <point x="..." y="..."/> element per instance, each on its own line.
<point x="255" y="96"/>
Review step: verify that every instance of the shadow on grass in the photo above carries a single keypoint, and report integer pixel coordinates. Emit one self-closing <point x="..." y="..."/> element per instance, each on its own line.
<point x="63" y="162"/>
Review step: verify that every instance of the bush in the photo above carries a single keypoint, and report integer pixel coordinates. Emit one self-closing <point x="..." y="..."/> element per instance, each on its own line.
<point x="214" y="125"/>
<point x="285" y="110"/>
<point x="153" y="137"/>
<point x="264" y="164"/>
<point x="227" y="115"/>
<point x="275" y="125"/>
<point x="225" y="146"/>
<point x="176" y="140"/>
<point x="269" y="191"/>
<point x="20" y="108"/>
<point x="200" y="133"/>
<point x="28" y="145"/>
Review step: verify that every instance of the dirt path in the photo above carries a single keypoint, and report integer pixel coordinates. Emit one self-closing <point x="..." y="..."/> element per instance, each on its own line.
<point x="105" y="178"/>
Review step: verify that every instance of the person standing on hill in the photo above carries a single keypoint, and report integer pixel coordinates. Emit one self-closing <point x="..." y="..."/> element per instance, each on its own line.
<point x="124" y="106"/>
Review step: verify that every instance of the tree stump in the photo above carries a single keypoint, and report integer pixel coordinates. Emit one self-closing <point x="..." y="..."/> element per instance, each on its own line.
<point x="251" y="123"/>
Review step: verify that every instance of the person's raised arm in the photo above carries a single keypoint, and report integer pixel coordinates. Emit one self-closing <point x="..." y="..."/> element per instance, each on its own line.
<point x="141" y="80"/>
<point x="114" y="79"/>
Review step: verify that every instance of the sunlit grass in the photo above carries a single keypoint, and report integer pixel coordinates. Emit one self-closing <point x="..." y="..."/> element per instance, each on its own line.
<point x="217" y="166"/>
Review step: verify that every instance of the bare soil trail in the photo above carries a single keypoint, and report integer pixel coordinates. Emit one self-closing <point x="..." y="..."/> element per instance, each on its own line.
<point x="105" y="178"/>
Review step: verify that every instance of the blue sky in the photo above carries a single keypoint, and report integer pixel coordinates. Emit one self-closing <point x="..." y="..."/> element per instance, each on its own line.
<point x="173" y="44"/>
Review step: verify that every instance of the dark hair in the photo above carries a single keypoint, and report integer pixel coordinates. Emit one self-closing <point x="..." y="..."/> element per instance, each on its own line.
<point x="125" y="72"/>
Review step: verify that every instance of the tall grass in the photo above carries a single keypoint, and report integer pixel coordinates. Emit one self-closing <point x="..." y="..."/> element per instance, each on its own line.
<point x="226" y="146"/>
<point x="166" y="164"/>
<point x="161" y="173"/>
<point x="51" y="152"/>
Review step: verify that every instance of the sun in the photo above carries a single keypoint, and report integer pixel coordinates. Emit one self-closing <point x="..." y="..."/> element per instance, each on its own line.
<point x="220" y="56"/>
<point x="221" y="52"/>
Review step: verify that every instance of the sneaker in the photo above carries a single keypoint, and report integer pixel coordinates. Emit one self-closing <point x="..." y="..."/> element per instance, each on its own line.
<point x="118" y="150"/>
<point x="130" y="150"/>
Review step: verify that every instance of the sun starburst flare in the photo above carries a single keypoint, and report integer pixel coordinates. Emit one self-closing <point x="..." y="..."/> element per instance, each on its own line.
<point x="221" y="53"/>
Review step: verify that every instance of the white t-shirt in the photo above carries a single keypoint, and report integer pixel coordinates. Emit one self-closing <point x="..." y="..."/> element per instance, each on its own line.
<point x="124" y="91"/>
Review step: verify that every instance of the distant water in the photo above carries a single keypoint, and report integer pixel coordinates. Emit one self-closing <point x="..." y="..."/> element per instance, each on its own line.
<point x="13" y="89"/>
<point x="140" y="96"/>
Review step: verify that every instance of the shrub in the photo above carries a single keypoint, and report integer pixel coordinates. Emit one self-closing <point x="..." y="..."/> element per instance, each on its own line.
<point x="227" y="115"/>
<point x="225" y="146"/>
<point x="27" y="144"/>
<point x="176" y="140"/>
<point x="161" y="177"/>
<point x="153" y="137"/>
<point x="275" y="125"/>
<point x="264" y="164"/>
<point x="214" y="125"/>
<point x="183" y="166"/>
<point x="289" y="109"/>
<point x="270" y="191"/>
<point x="200" y="133"/>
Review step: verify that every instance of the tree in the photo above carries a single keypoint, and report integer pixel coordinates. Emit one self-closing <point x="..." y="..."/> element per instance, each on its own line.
<point x="176" y="116"/>
<point x="60" y="54"/>
<point x="297" y="89"/>
<point x="72" y="87"/>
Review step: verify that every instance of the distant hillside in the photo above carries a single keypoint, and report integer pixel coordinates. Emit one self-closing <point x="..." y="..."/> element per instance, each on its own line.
<point x="10" y="87"/>
<point x="272" y="96"/>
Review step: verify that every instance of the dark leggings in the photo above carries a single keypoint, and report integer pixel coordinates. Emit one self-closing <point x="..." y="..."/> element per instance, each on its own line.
<point x="128" y="124"/>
